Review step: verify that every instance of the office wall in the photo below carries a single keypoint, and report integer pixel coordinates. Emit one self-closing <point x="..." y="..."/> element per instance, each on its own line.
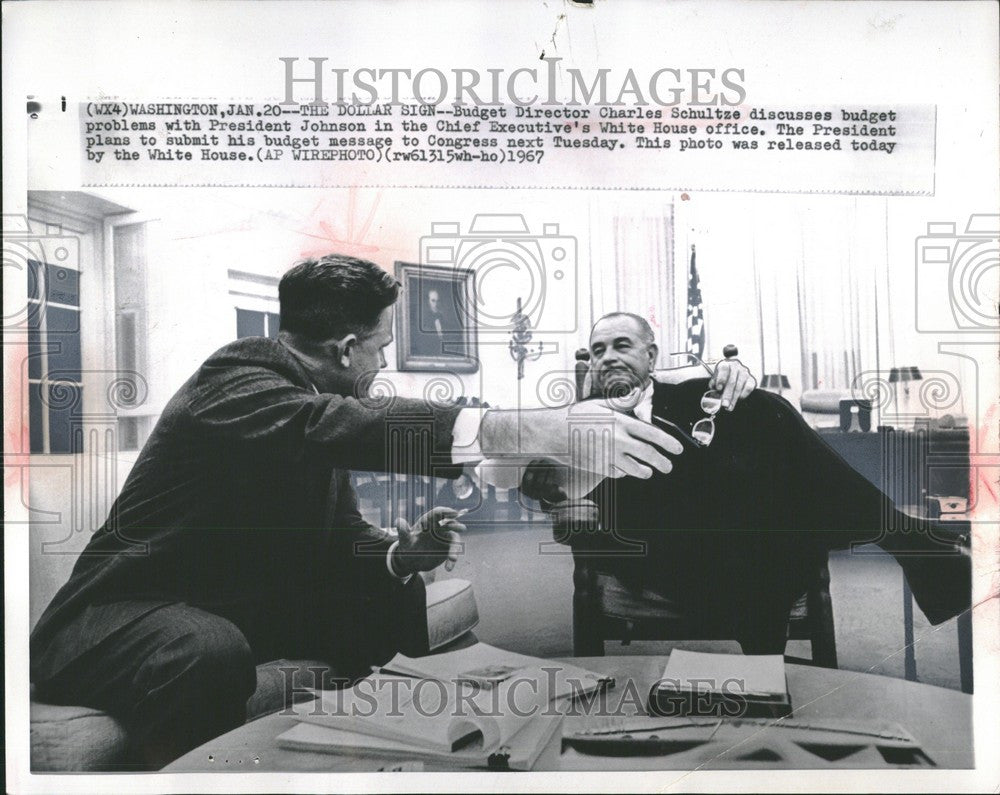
<point x="782" y="277"/>
<point x="754" y="253"/>
<point x="200" y="236"/>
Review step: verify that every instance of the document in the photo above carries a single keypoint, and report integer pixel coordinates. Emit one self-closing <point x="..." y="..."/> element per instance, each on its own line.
<point x="810" y="185"/>
<point x="443" y="718"/>
<point x="486" y="667"/>
<point x="747" y="674"/>
<point x="454" y="720"/>
<point x="519" y="752"/>
<point x="725" y="685"/>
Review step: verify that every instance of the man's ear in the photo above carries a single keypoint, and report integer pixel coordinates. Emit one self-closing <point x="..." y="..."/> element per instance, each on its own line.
<point x="654" y="354"/>
<point x="343" y="349"/>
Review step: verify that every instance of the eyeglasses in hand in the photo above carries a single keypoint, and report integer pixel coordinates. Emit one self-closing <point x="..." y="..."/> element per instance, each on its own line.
<point x="703" y="431"/>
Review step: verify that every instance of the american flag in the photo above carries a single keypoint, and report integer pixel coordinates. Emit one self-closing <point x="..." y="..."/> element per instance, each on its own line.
<point x="695" y="313"/>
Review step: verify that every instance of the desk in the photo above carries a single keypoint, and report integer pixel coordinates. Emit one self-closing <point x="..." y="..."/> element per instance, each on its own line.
<point x="940" y="720"/>
<point x="908" y="464"/>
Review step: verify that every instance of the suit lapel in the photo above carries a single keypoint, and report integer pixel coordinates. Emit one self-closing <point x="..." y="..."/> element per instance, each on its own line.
<point x="661" y="402"/>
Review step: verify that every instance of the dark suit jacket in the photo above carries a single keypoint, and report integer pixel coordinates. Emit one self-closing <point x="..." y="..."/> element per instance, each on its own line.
<point x="240" y="503"/>
<point x="742" y="523"/>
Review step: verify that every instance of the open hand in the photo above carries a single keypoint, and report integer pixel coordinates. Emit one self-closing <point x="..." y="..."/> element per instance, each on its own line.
<point x="589" y="437"/>
<point x="428" y="542"/>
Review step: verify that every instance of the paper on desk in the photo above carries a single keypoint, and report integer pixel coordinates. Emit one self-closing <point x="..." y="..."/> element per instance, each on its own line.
<point x="439" y="718"/>
<point x="554" y="679"/>
<point x="519" y="752"/>
<point x="733" y="673"/>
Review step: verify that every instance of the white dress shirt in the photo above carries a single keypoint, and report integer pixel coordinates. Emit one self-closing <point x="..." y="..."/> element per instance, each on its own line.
<point x="644" y="408"/>
<point x="507" y="473"/>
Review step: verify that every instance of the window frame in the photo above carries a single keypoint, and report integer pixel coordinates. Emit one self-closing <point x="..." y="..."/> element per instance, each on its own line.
<point x="42" y="304"/>
<point x="254" y="292"/>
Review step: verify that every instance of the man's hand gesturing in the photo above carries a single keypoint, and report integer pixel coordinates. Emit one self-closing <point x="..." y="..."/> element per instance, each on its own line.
<point x="428" y="542"/>
<point x="590" y="437"/>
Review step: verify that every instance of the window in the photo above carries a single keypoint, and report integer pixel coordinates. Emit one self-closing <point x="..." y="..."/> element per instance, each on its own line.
<point x="255" y="297"/>
<point x="256" y="324"/>
<point x="54" y="359"/>
<point x="70" y="360"/>
<point x="130" y="333"/>
<point x="133" y="431"/>
<point x="130" y="296"/>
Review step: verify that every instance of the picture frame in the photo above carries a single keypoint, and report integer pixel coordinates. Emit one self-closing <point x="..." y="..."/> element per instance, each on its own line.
<point x="436" y="320"/>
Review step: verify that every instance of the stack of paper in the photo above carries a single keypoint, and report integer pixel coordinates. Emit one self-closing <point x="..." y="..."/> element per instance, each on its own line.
<point x="479" y="706"/>
<point x="488" y="667"/>
<point x="724" y="685"/>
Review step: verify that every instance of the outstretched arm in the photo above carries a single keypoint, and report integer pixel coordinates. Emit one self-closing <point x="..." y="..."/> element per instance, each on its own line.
<point x="257" y="407"/>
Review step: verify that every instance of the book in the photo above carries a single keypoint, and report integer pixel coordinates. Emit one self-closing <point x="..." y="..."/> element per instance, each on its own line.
<point x="477" y="706"/>
<point x="489" y="667"/>
<point x="521" y="751"/>
<point x="438" y="717"/>
<point x="721" y="685"/>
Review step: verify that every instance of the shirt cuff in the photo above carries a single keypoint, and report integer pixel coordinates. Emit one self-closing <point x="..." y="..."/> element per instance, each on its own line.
<point x="503" y="475"/>
<point x="388" y="564"/>
<point x="465" y="447"/>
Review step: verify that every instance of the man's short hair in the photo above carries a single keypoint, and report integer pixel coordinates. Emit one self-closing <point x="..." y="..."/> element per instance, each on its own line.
<point x="333" y="296"/>
<point x="645" y="330"/>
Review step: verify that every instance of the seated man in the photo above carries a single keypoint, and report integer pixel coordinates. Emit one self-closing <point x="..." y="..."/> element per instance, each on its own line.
<point x="236" y="538"/>
<point x="735" y="532"/>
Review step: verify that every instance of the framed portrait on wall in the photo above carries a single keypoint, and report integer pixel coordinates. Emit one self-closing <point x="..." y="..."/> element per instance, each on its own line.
<point x="436" y="321"/>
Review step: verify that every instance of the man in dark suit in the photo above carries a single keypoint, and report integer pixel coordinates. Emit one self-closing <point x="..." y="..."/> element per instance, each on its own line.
<point x="236" y="538"/>
<point x="735" y="532"/>
<point x="429" y="327"/>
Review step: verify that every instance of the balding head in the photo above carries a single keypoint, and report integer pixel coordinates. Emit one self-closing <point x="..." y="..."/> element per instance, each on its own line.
<point x="622" y="352"/>
<point x="644" y="330"/>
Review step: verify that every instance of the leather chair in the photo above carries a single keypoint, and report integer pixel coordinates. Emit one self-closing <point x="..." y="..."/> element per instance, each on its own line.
<point x="605" y="608"/>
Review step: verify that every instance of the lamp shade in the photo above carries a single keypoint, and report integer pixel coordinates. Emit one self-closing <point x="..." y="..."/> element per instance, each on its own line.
<point x="901" y="374"/>
<point x="775" y="381"/>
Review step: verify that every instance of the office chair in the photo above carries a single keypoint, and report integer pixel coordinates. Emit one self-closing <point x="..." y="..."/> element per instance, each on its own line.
<point x="607" y="608"/>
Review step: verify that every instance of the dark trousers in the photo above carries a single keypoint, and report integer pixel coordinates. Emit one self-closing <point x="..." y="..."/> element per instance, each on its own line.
<point x="178" y="676"/>
<point x="175" y="677"/>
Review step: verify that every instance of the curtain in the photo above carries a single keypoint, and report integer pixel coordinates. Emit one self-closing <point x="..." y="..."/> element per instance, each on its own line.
<point x="632" y="270"/>
<point x="837" y="287"/>
<point x="818" y="268"/>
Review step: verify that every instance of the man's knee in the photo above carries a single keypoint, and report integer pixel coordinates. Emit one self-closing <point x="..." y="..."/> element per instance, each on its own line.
<point x="227" y="654"/>
<point x="211" y="653"/>
<point x="193" y="684"/>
